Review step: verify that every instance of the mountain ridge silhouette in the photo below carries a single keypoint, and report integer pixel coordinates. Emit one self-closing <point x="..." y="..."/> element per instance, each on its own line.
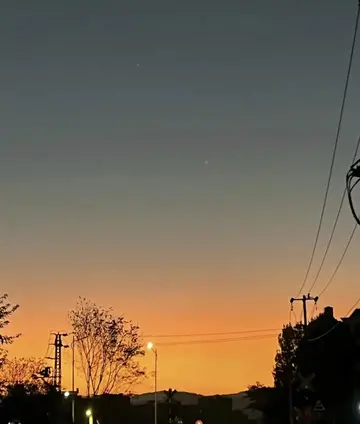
<point x="240" y="400"/>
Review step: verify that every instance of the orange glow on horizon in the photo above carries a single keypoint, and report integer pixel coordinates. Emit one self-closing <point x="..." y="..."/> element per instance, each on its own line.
<point x="207" y="368"/>
<point x="203" y="368"/>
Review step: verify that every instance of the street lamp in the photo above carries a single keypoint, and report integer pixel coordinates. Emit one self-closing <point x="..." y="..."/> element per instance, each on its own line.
<point x="73" y="379"/>
<point x="89" y="414"/>
<point x="151" y="347"/>
<point x="73" y="392"/>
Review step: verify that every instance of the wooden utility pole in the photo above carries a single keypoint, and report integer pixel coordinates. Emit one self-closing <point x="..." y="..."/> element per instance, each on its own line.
<point x="304" y="299"/>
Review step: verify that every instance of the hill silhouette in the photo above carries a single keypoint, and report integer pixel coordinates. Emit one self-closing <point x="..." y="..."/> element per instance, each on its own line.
<point x="240" y="401"/>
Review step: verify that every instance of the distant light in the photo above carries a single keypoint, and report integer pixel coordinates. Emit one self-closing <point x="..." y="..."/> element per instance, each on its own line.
<point x="150" y="346"/>
<point x="88" y="412"/>
<point x="67" y="394"/>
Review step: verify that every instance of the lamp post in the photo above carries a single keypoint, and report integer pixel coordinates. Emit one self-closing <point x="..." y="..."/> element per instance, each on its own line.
<point x="74" y="393"/>
<point x="73" y="379"/>
<point x="151" y="347"/>
<point x="71" y="394"/>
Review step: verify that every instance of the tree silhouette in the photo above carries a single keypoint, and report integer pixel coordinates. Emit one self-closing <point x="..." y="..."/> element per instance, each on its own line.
<point x="6" y="310"/>
<point x="109" y="348"/>
<point x="286" y="356"/>
<point x="22" y="372"/>
<point x="270" y="401"/>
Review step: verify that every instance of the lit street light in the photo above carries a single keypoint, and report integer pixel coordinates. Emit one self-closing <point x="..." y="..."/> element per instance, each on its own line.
<point x="151" y="347"/>
<point x="89" y="414"/>
<point x="72" y="395"/>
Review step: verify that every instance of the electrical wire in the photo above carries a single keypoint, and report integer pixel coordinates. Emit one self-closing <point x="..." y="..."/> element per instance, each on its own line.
<point x="355" y="184"/>
<point x="48" y="346"/>
<point x="231" y="333"/>
<point x="335" y="224"/>
<point x="344" y="97"/>
<point x="336" y="325"/>
<point x="292" y="313"/>
<point x="211" y="341"/>
<point x="340" y="261"/>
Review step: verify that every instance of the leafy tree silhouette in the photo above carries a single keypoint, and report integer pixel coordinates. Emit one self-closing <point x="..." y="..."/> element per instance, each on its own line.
<point x="24" y="372"/>
<point x="271" y="402"/>
<point x="6" y="310"/>
<point x="286" y="360"/>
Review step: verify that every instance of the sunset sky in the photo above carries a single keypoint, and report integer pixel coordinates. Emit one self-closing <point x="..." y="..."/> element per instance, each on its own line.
<point x="168" y="158"/>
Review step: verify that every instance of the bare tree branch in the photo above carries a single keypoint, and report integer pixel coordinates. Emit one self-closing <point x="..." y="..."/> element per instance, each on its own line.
<point x="109" y="348"/>
<point x="22" y="372"/>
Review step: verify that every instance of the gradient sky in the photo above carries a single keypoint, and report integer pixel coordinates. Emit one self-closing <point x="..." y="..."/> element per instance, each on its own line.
<point x="169" y="158"/>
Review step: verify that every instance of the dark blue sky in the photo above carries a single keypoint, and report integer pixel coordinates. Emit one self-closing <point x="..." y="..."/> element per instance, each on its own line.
<point x="110" y="112"/>
<point x="229" y="80"/>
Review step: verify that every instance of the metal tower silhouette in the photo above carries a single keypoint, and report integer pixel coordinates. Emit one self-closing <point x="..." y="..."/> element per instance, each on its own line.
<point x="58" y="345"/>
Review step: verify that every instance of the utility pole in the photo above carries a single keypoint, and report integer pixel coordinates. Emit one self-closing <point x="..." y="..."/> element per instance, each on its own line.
<point x="304" y="299"/>
<point x="58" y="345"/>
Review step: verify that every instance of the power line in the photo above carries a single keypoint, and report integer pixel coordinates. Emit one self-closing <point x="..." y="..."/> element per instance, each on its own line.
<point x="211" y="341"/>
<point x="340" y="261"/>
<point x="293" y="314"/>
<point x="344" y="97"/>
<point x="48" y="345"/>
<point x="230" y="333"/>
<point x="335" y="224"/>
